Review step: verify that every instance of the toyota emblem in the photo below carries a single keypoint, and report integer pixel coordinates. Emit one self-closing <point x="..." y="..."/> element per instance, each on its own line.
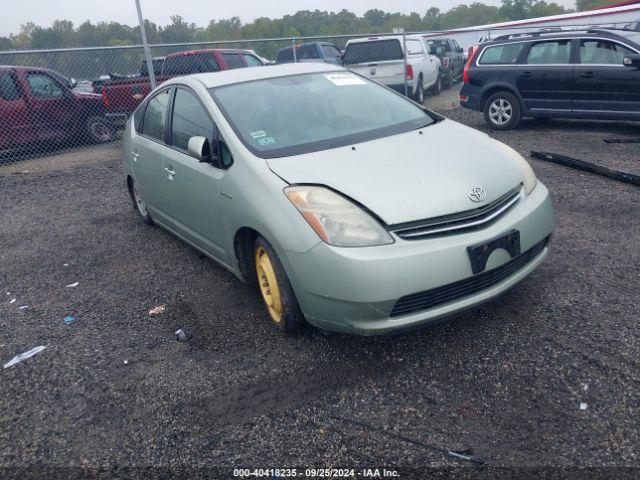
<point x="477" y="195"/>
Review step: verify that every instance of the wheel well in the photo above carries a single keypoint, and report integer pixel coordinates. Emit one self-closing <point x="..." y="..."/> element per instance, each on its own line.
<point x="501" y="88"/>
<point x="243" y="244"/>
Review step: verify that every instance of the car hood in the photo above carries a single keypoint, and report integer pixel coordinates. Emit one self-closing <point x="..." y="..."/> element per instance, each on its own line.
<point x="411" y="176"/>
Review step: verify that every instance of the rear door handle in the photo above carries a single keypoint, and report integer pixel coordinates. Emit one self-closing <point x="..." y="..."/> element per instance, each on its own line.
<point x="135" y="156"/>
<point x="587" y="75"/>
<point x="170" y="173"/>
<point x="525" y="74"/>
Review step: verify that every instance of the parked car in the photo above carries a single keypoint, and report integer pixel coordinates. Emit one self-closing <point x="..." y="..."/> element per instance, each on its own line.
<point x="452" y="59"/>
<point x="383" y="59"/>
<point x="37" y="105"/>
<point x="121" y="97"/>
<point x="343" y="218"/>
<point x="310" y="52"/>
<point x="590" y="74"/>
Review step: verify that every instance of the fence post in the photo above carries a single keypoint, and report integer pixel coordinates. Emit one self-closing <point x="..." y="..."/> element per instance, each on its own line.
<point x="147" y="50"/>
<point x="406" y="80"/>
<point x="293" y="49"/>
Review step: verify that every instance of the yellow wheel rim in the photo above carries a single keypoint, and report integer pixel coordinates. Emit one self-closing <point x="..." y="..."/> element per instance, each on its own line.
<point x="268" y="284"/>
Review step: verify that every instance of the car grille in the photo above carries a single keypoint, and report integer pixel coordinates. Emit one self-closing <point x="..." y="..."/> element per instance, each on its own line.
<point x="454" y="291"/>
<point x="459" y="222"/>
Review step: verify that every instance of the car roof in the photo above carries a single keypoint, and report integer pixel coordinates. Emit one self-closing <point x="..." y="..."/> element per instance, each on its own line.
<point x="239" y="75"/>
<point x="188" y="53"/>
<point x="549" y="34"/>
<point x="378" y="38"/>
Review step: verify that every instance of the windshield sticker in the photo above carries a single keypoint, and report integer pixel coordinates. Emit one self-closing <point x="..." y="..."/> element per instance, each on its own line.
<point x="258" y="134"/>
<point x="344" y="79"/>
<point x="264" y="141"/>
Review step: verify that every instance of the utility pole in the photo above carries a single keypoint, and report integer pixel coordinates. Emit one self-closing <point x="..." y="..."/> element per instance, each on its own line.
<point x="145" y="44"/>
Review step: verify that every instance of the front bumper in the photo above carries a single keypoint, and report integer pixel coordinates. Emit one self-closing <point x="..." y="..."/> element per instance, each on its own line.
<point x="354" y="290"/>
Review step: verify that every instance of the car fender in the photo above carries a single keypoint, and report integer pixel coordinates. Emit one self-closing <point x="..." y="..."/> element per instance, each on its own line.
<point x="497" y="86"/>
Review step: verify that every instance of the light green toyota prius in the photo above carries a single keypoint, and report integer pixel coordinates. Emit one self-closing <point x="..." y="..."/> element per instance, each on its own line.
<point x="350" y="207"/>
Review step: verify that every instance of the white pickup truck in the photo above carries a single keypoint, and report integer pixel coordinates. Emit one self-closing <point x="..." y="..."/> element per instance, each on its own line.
<point x="382" y="59"/>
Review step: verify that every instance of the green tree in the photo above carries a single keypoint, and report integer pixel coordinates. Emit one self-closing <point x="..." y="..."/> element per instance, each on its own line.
<point x="584" y="5"/>
<point x="5" y="43"/>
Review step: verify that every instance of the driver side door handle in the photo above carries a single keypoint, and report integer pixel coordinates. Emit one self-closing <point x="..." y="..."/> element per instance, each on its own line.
<point x="169" y="173"/>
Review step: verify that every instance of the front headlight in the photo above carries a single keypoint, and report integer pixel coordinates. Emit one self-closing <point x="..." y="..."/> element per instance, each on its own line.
<point x="336" y="220"/>
<point x="530" y="180"/>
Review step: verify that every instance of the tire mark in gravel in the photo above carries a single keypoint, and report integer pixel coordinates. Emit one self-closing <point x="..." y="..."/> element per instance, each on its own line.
<point x="276" y="395"/>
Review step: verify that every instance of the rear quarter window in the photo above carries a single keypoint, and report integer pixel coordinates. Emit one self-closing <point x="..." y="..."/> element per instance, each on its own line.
<point x="501" y="54"/>
<point x="8" y="88"/>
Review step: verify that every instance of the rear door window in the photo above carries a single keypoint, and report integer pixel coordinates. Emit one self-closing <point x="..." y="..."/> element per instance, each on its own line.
<point x="232" y="60"/>
<point x="155" y="115"/>
<point x="501" y="54"/>
<point x="375" y="51"/>
<point x="602" y="52"/>
<point x="8" y="88"/>
<point x="550" y="53"/>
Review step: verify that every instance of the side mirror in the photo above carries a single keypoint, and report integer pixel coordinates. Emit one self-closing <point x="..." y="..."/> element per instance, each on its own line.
<point x="432" y="49"/>
<point x="631" y="61"/>
<point x="460" y="50"/>
<point x="73" y="82"/>
<point x="199" y="148"/>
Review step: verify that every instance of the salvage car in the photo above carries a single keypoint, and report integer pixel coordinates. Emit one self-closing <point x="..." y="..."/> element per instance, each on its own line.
<point x="587" y="74"/>
<point x="343" y="218"/>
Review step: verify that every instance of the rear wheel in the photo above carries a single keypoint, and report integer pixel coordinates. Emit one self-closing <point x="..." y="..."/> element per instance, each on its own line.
<point x="502" y="111"/>
<point x="437" y="87"/>
<point x="275" y="289"/>
<point x="140" y="204"/>
<point x="99" y="129"/>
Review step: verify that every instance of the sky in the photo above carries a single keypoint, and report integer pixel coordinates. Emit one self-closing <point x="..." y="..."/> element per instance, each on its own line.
<point x="44" y="12"/>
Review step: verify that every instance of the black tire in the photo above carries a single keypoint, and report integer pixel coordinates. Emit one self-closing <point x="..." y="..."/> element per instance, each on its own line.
<point x="418" y="96"/>
<point x="98" y="129"/>
<point x="291" y="319"/>
<point x="502" y="111"/>
<point x="437" y="87"/>
<point x="139" y="204"/>
<point x="447" y="80"/>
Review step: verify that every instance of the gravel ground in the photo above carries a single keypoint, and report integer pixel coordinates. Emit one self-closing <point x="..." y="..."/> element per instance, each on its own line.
<point x="115" y="389"/>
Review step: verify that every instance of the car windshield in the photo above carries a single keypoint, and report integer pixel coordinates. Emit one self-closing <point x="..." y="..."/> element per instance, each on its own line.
<point x="284" y="116"/>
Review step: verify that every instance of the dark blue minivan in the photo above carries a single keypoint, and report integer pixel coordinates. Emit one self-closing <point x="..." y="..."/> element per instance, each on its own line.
<point x="590" y="74"/>
<point x="310" y="52"/>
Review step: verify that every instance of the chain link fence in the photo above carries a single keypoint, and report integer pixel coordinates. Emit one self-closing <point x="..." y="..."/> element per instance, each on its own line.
<point x="53" y="100"/>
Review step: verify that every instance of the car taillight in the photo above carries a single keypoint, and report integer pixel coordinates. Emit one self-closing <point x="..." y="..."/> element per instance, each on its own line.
<point x="105" y="99"/>
<point x="445" y="62"/>
<point x="471" y="56"/>
<point x="409" y="72"/>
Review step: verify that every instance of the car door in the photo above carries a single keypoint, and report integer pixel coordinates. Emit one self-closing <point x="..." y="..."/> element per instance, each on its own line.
<point x="194" y="185"/>
<point x="15" y="127"/>
<point x="52" y="106"/>
<point x="545" y="77"/>
<point x="602" y="83"/>
<point x="148" y="149"/>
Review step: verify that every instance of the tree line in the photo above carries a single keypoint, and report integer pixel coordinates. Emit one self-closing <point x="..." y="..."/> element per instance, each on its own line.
<point x="64" y="34"/>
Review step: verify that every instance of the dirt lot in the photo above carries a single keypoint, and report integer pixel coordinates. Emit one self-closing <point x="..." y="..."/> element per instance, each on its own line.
<point x="506" y="381"/>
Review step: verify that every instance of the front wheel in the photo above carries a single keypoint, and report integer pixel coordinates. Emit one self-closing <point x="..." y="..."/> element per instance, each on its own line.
<point x="502" y="111"/>
<point x="276" y="290"/>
